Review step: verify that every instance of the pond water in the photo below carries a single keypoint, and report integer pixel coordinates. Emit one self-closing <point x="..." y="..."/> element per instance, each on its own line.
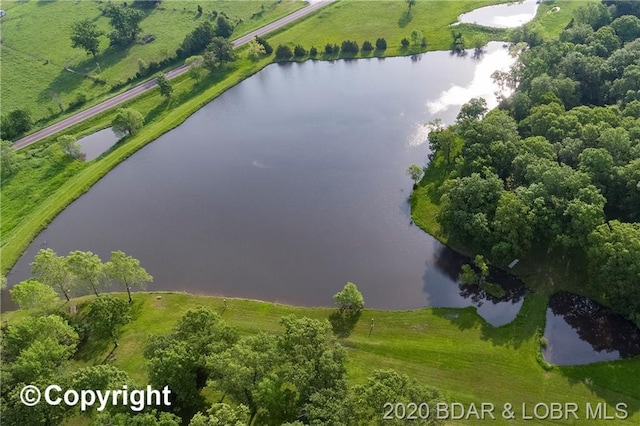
<point x="291" y="184"/>
<point x="508" y="15"/>
<point x="581" y="331"/>
<point x="97" y="143"/>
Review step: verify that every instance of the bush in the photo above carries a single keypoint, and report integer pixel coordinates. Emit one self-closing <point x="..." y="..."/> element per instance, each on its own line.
<point x="283" y="52"/>
<point x="299" y="51"/>
<point x="331" y="49"/>
<point x="367" y="46"/>
<point x="349" y="46"/>
<point x="404" y="42"/>
<point x="381" y="44"/>
<point x="80" y="100"/>
<point x="313" y="52"/>
<point x="423" y="43"/>
<point x="267" y="47"/>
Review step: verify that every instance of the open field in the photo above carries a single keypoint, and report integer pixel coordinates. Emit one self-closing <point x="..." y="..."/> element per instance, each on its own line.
<point x="34" y="61"/>
<point x="440" y="347"/>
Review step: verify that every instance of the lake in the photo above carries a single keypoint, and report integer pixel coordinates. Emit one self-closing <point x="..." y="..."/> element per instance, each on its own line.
<point x="291" y="184"/>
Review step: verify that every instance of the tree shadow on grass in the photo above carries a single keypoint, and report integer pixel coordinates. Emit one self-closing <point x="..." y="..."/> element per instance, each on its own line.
<point x="343" y="322"/>
<point x="405" y="18"/>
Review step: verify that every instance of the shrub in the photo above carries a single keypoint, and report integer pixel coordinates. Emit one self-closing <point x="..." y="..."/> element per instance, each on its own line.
<point x="299" y="51"/>
<point x="331" y="49"/>
<point x="313" y="52"/>
<point x="349" y="46"/>
<point x="423" y="43"/>
<point x="80" y="100"/>
<point x="367" y="46"/>
<point x="283" y="52"/>
<point x="404" y="42"/>
<point x="267" y="47"/>
<point x="381" y="44"/>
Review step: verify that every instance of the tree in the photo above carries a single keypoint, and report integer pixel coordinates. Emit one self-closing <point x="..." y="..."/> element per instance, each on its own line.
<point x="367" y="46"/>
<point x="34" y="296"/>
<point x="222" y="49"/>
<point x="70" y="146"/>
<point x="222" y="415"/>
<point x="35" y="347"/>
<point x="255" y="50"/>
<point x="8" y="158"/>
<point x="106" y="317"/>
<point x="475" y="109"/>
<point x="15" y="123"/>
<point x="126" y="24"/>
<point x="85" y="35"/>
<point x="180" y="359"/>
<point x="350" y="46"/>
<point x="381" y="44"/>
<point x="164" y="85"/>
<point x="223" y="27"/>
<point x="51" y="269"/>
<point x="445" y="143"/>
<point x="387" y="386"/>
<point x="147" y="418"/>
<point x="299" y="51"/>
<point x="127" y="272"/>
<point x="349" y="298"/>
<point x="404" y="42"/>
<point x="416" y="37"/>
<point x="197" y="40"/>
<point x="614" y="265"/>
<point x="195" y="64"/>
<point x="86" y="268"/>
<point x="416" y="173"/>
<point x="283" y="52"/>
<point x="267" y="47"/>
<point x="127" y="121"/>
<point x="627" y="27"/>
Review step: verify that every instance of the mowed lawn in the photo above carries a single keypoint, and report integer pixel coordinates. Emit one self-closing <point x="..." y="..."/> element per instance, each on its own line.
<point x="452" y="349"/>
<point x="36" y="46"/>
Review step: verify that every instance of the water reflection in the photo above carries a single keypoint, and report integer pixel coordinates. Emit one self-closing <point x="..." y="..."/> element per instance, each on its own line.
<point x="457" y="95"/>
<point x="581" y="331"/>
<point x="495" y="310"/>
<point x="97" y="143"/>
<point x="510" y="15"/>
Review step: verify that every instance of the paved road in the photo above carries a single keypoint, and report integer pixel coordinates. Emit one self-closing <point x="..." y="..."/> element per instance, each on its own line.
<point x="144" y="87"/>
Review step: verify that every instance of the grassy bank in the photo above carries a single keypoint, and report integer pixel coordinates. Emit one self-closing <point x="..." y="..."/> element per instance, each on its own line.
<point x="36" y="47"/>
<point x="453" y="349"/>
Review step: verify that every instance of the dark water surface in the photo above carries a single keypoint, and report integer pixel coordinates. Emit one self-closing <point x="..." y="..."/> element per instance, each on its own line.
<point x="290" y="184"/>
<point x="95" y="144"/>
<point x="581" y="331"/>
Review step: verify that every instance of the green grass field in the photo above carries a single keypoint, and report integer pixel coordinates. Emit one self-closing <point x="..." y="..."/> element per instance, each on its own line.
<point x="452" y="349"/>
<point x="36" y="47"/>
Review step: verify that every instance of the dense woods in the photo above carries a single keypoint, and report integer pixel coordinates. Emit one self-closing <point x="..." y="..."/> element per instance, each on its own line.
<point x="556" y="168"/>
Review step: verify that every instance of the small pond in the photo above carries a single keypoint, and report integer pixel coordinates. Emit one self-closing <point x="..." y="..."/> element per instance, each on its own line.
<point x="97" y="143"/>
<point x="581" y="331"/>
<point x="291" y="184"/>
<point x="508" y="15"/>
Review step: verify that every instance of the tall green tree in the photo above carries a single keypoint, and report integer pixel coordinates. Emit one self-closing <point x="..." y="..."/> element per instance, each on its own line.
<point x="51" y="269"/>
<point x="32" y="295"/>
<point x="166" y="89"/>
<point x="223" y="28"/>
<point x="70" y="146"/>
<point x="86" y="35"/>
<point x="125" y="22"/>
<point x="87" y="270"/>
<point x="349" y="298"/>
<point x="107" y="316"/>
<point x="126" y="272"/>
<point x="8" y="158"/>
<point x="127" y="121"/>
<point x="416" y="173"/>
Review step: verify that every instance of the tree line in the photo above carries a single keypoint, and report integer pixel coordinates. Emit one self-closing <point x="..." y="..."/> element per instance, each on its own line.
<point x="556" y="167"/>
<point x="296" y="376"/>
